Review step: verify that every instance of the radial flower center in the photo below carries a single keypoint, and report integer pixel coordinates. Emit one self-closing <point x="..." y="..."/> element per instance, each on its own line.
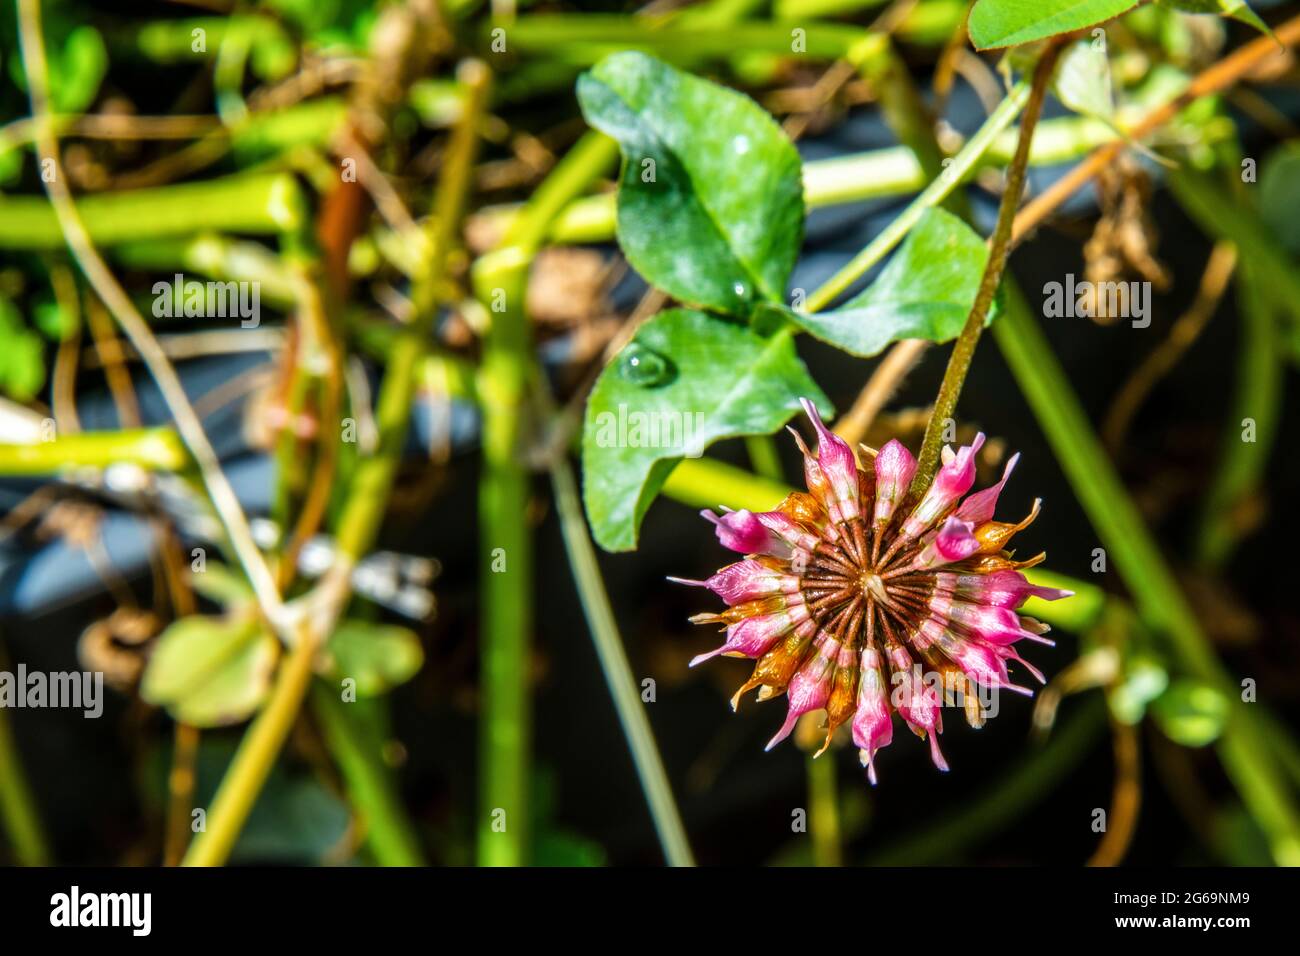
<point x="872" y="586"/>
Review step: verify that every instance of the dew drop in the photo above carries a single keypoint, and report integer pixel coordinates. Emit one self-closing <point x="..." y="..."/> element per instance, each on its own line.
<point x="644" y="366"/>
<point x="741" y="145"/>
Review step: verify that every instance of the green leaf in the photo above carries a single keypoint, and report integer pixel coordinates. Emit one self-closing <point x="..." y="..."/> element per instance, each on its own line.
<point x="79" y="70"/>
<point x="1279" y="194"/>
<point x="1191" y="713"/>
<point x="924" y="292"/>
<point x="1083" y="80"/>
<point x="22" y="359"/>
<point x="710" y="199"/>
<point x="377" y="656"/>
<point x="220" y="585"/>
<point x="55" y="322"/>
<point x="1144" y="679"/>
<point x="1236" y="9"/>
<point x="685" y="381"/>
<point x="999" y="23"/>
<point x="211" y="671"/>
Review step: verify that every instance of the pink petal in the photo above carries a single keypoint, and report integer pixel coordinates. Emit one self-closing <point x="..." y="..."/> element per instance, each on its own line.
<point x="873" y="725"/>
<point x="997" y="625"/>
<point x="1007" y="588"/>
<point x="836" y="460"/>
<point x="742" y="531"/>
<point x="810" y="687"/>
<point x="746" y="581"/>
<point x="955" y="541"/>
<point x="953" y="480"/>
<point x="895" y="468"/>
<point x="788" y="530"/>
<point x="754" y="636"/>
<point x="979" y="507"/>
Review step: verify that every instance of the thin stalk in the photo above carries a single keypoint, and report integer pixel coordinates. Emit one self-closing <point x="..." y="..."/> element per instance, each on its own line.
<point x="500" y="278"/>
<point x="963" y="350"/>
<point x="18" y="813"/>
<point x="1243" y="747"/>
<point x="824" y="812"/>
<point x="255" y="757"/>
<point x="618" y="671"/>
<point x="180" y="792"/>
<point x="1257" y="397"/>
<point x="388" y="832"/>
<point x="932" y="195"/>
<point x="1213" y="79"/>
<point x="763" y="456"/>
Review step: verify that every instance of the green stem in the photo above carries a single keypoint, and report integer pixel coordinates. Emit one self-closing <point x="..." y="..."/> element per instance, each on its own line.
<point x="1244" y="747"/>
<point x="963" y="350"/>
<point x="585" y="38"/>
<point x="905" y="112"/>
<point x="1267" y="287"/>
<point x="1257" y="396"/>
<point x="824" y="812"/>
<point x="763" y="456"/>
<point x="18" y="813"/>
<point x="389" y="833"/>
<point x="157" y="449"/>
<point x="1224" y="216"/>
<point x="618" y="671"/>
<point x="254" y="759"/>
<point x="500" y="279"/>
<point x="932" y="195"/>
<point x="261" y="203"/>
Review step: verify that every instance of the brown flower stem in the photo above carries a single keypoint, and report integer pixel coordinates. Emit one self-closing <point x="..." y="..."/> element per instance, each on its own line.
<point x="999" y="244"/>
<point x="1126" y="797"/>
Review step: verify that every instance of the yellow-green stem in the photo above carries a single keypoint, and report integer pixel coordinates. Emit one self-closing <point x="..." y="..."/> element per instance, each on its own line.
<point x="505" y="541"/>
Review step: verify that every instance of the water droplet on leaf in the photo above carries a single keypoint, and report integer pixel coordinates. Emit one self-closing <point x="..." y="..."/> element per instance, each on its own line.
<point x="644" y="366"/>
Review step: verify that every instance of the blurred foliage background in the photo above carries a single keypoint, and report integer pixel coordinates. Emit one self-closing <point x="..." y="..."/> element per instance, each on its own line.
<point x="359" y="162"/>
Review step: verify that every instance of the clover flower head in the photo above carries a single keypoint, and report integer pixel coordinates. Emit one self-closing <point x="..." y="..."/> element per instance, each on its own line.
<point x="855" y="596"/>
